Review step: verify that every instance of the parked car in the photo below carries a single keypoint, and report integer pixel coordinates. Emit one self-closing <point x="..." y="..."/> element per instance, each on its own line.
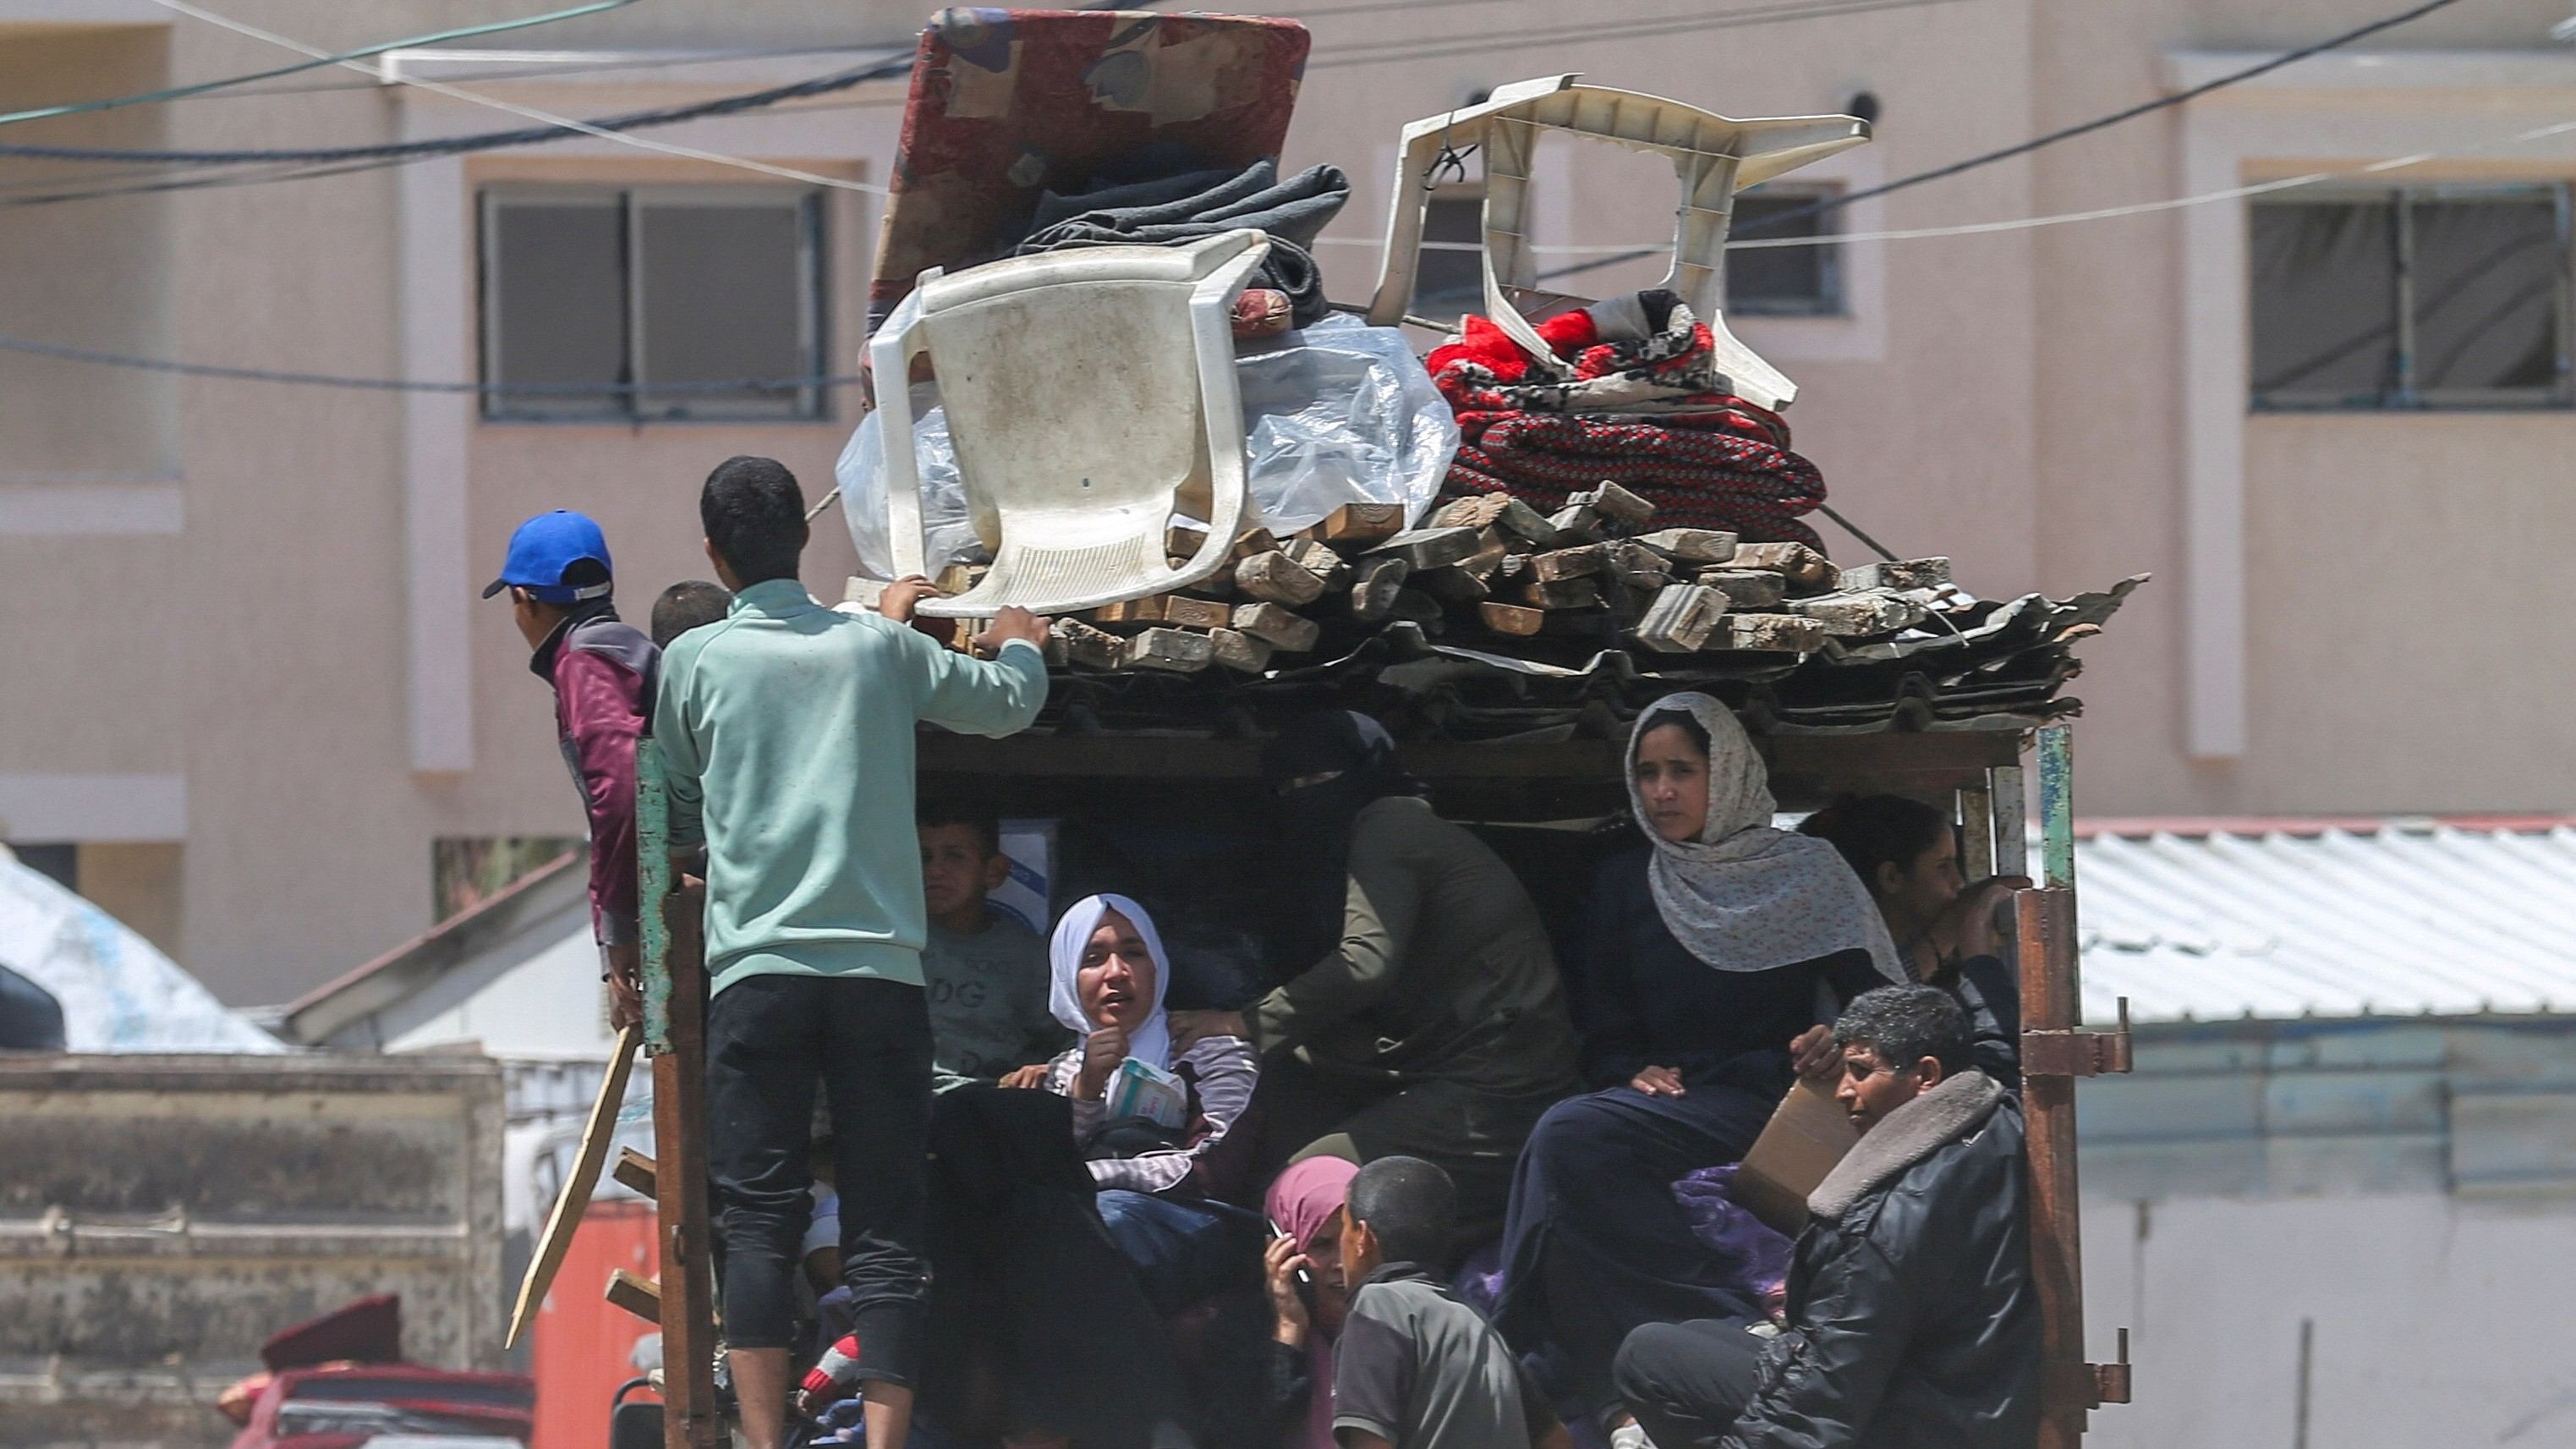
<point x="390" y="1406"/>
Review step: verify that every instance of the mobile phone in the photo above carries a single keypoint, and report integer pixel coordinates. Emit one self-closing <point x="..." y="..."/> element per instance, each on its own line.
<point x="1304" y="1280"/>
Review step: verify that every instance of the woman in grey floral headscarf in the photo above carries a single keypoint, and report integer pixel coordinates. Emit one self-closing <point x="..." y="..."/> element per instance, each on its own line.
<point x="1712" y="962"/>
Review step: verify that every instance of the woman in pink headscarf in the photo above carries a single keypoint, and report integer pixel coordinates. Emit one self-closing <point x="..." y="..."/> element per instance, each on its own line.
<point x="1305" y="1205"/>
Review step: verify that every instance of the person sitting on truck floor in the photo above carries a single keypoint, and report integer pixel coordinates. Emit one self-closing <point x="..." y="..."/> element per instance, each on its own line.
<point x="986" y="973"/>
<point x="562" y="596"/>
<point x="1416" y="1368"/>
<point x="1712" y="958"/>
<point x="1912" y="1320"/>
<point x="1428" y="1018"/>
<point x="1907" y="853"/>
<point x="1157" y="1180"/>
<point x="787" y="732"/>
<point x="686" y="605"/>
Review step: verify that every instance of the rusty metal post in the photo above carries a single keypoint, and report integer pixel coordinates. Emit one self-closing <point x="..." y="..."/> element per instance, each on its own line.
<point x="2055" y="1052"/>
<point x="675" y="1033"/>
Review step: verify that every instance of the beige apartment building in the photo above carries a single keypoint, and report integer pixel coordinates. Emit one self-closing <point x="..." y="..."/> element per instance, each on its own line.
<point x="246" y="687"/>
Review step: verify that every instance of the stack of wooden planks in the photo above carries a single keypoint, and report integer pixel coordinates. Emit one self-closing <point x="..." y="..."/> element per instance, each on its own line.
<point x="1495" y="574"/>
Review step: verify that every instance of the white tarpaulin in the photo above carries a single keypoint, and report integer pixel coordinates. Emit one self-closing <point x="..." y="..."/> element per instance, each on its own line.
<point x="118" y="994"/>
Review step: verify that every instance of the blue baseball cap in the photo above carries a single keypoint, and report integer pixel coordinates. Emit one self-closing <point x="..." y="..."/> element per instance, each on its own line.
<point x="544" y="548"/>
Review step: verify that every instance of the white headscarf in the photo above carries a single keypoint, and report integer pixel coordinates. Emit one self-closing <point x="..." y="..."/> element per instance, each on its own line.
<point x="1151" y="1042"/>
<point x="1744" y="896"/>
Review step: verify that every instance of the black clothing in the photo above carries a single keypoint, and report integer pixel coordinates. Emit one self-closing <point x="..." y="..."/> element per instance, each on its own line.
<point x="1913" y="1320"/>
<point x="1595" y="1243"/>
<point x="31" y="1020"/>
<point x="1645" y="1000"/>
<point x="1317" y="821"/>
<point x="1686" y="1382"/>
<point x="1176" y="210"/>
<point x="1991" y="994"/>
<point x="1038" y="1319"/>
<point x="868" y="1040"/>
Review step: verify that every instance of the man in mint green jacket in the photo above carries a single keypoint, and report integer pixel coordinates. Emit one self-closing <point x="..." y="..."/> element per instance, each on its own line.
<point x="786" y="731"/>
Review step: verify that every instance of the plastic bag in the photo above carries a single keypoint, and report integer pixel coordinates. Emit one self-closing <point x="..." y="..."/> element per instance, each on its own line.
<point x="1340" y="412"/>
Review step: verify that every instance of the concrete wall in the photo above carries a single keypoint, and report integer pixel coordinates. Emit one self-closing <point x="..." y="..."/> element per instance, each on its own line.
<point x="2401" y="1193"/>
<point x="256" y="618"/>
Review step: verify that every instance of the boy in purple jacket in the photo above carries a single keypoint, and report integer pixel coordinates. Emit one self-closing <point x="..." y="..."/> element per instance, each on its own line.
<point x="603" y="672"/>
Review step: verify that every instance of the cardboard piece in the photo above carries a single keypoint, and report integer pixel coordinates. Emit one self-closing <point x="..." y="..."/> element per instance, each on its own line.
<point x="1808" y="1133"/>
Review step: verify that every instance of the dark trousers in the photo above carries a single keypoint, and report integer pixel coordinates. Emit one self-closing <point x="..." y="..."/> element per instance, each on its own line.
<point x="769" y="1038"/>
<point x="1687" y="1382"/>
<point x="1473" y="1133"/>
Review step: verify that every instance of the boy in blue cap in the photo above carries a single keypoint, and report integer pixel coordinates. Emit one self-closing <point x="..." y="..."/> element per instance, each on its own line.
<point x="602" y="670"/>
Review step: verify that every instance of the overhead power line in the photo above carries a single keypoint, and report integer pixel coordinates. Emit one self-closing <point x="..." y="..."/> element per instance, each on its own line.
<point x="2064" y="133"/>
<point x="667" y="148"/>
<point x="345" y="57"/>
<point x="34" y="347"/>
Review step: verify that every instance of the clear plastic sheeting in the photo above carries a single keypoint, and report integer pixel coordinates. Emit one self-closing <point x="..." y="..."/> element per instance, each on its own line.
<point x="1336" y="413"/>
<point x="118" y="994"/>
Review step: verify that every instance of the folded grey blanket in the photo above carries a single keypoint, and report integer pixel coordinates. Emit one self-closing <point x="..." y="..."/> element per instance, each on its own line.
<point x="1174" y="209"/>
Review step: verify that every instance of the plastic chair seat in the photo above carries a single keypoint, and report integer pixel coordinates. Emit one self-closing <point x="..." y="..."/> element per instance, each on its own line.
<point x="1090" y="394"/>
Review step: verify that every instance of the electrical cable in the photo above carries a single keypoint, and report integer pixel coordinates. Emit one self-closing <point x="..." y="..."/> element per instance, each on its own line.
<point x="346" y="57"/>
<point x="667" y="148"/>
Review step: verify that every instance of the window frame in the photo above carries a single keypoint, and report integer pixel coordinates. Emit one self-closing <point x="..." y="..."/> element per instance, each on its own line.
<point x="811" y="403"/>
<point x="1833" y="297"/>
<point x="2402" y="394"/>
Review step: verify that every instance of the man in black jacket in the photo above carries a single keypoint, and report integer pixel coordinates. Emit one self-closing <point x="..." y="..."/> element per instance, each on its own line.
<point x="1912" y="1322"/>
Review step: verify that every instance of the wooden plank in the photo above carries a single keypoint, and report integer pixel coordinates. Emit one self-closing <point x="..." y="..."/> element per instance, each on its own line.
<point x="1083" y="644"/>
<point x="1804" y="568"/>
<point x="1178" y="610"/>
<point x="1746" y="588"/>
<point x="1276" y="578"/>
<point x="1175" y="650"/>
<point x="1850" y="615"/>
<point x="1499" y="511"/>
<point x="1614" y="504"/>
<point x="1576" y="523"/>
<point x="1429" y="548"/>
<point x="635" y="1170"/>
<point x="1692" y="545"/>
<point x="1322" y="561"/>
<point x="1357" y="523"/>
<point x="1236" y="650"/>
<point x="1452" y="585"/>
<point x="1516" y="620"/>
<point x="1182" y="541"/>
<point x="1374" y="584"/>
<point x="958" y="578"/>
<point x="1919" y="573"/>
<point x="1253" y="541"/>
<point x="1772" y="633"/>
<point x="691" y="1418"/>
<point x="1681" y="619"/>
<point x="1413" y="606"/>
<point x="1562" y="594"/>
<point x="1277" y="625"/>
<point x="1569" y="563"/>
<point x="1976" y="833"/>
<point x="574" y="1197"/>
<point x="635" y="1293"/>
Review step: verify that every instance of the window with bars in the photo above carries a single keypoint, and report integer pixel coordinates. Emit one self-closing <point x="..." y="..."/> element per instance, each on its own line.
<point x="667" y="289"/>
<point x="1785" y="281"/>
<point x="2411" y="297"/>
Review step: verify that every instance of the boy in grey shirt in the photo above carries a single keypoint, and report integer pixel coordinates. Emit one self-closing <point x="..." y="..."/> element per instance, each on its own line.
<point x="1415" y="1368"/>
<point x="986" y="973"/>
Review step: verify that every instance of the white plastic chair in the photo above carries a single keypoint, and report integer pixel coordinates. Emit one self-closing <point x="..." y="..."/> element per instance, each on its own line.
<point x="1713" y="158"/>
<point x="1090" y="393"/>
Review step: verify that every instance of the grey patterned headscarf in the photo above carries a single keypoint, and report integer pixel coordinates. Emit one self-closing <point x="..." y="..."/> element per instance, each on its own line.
<point x="1744" y="896"/>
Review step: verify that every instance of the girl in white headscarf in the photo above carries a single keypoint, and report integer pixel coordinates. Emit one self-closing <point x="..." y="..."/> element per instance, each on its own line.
<point x="1714" y="960"/>
<point x="1109" y="976"/>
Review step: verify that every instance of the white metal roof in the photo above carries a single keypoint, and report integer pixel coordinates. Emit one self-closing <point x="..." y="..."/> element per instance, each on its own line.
<point x="2277" y="919"/>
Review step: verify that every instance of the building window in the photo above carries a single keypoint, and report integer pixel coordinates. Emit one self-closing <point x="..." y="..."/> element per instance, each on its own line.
<point x="663" y="288"/>
<point x="1799" y="281"/>
<point x="2411" y="297"/>
<point x="1447" y="280"/>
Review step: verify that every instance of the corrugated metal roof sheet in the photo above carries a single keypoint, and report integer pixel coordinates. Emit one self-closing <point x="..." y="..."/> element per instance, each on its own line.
<point x="2276" y="920"/>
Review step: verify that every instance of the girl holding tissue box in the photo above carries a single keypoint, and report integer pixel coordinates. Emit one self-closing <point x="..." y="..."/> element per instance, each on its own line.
<point x="1148" y="1119"/>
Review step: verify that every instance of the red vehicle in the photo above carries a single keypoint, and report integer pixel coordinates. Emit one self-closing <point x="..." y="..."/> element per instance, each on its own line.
<point x="389" y="1406"/>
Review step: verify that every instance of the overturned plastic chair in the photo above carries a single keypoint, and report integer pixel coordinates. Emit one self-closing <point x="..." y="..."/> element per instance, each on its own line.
<point x="1090" y="394"/>
<point x="1713" y="158"/>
